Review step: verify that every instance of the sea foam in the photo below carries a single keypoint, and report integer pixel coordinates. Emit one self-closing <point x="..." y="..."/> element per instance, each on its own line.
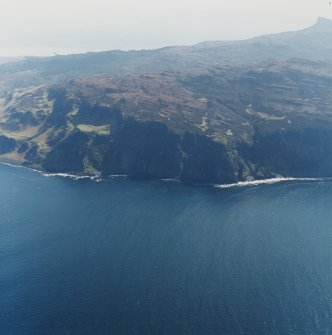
<point x="266" y="182"/>
<point x="71" y="176"/>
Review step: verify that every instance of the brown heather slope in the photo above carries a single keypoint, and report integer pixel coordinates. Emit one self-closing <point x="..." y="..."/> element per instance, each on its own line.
<point x="210" y="125"/>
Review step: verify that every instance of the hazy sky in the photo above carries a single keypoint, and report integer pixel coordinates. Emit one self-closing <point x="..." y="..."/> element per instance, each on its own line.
<point x="39" y="27"/>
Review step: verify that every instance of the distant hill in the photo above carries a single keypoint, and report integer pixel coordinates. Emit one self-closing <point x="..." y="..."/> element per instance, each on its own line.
<point x="4" y="60"/>
<point x="314" y="43"/>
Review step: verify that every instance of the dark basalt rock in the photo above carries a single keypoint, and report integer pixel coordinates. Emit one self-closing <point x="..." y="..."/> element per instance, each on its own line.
<point x="205" y="161"/>
<point x="143" y="149"/>
<point x="6" y="144"/>
<point x="23" y="148"/>
<point x="68" y="155"/>
<point x="305" y="152"/>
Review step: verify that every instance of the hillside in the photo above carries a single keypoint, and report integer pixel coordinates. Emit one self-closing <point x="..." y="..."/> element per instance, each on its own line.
<point x="215" y="112"/>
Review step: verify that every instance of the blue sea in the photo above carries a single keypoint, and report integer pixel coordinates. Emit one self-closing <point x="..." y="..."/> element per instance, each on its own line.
<point x="124" y="257"/>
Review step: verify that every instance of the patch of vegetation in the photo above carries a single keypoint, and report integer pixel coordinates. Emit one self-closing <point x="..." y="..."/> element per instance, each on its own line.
<point x="100" y="130"/>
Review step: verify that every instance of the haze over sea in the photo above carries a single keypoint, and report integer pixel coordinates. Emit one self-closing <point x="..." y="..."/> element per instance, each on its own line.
<point x="127" y="257"/>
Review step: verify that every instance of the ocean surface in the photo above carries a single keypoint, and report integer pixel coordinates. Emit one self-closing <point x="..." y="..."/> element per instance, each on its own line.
<point x="129" y="257"/>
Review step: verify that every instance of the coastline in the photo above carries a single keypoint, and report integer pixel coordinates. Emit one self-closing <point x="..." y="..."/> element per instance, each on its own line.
<point x="98" y="178"/>
<point x="13" y="163"/>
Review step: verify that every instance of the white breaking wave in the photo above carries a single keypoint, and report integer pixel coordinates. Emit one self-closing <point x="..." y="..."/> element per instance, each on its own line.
<point x="70" y="176"/>
<point x="266" y="182"/>
<point x="170" y="180"/>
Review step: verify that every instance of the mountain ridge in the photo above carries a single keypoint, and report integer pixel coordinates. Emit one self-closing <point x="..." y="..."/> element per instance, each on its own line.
<point x="313" y="43"/>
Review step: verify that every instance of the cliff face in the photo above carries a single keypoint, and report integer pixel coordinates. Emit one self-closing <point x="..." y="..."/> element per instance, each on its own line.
<point x="145" y="149"/>
<point x="302" y="153"/>
<point x="206" y="126"/>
